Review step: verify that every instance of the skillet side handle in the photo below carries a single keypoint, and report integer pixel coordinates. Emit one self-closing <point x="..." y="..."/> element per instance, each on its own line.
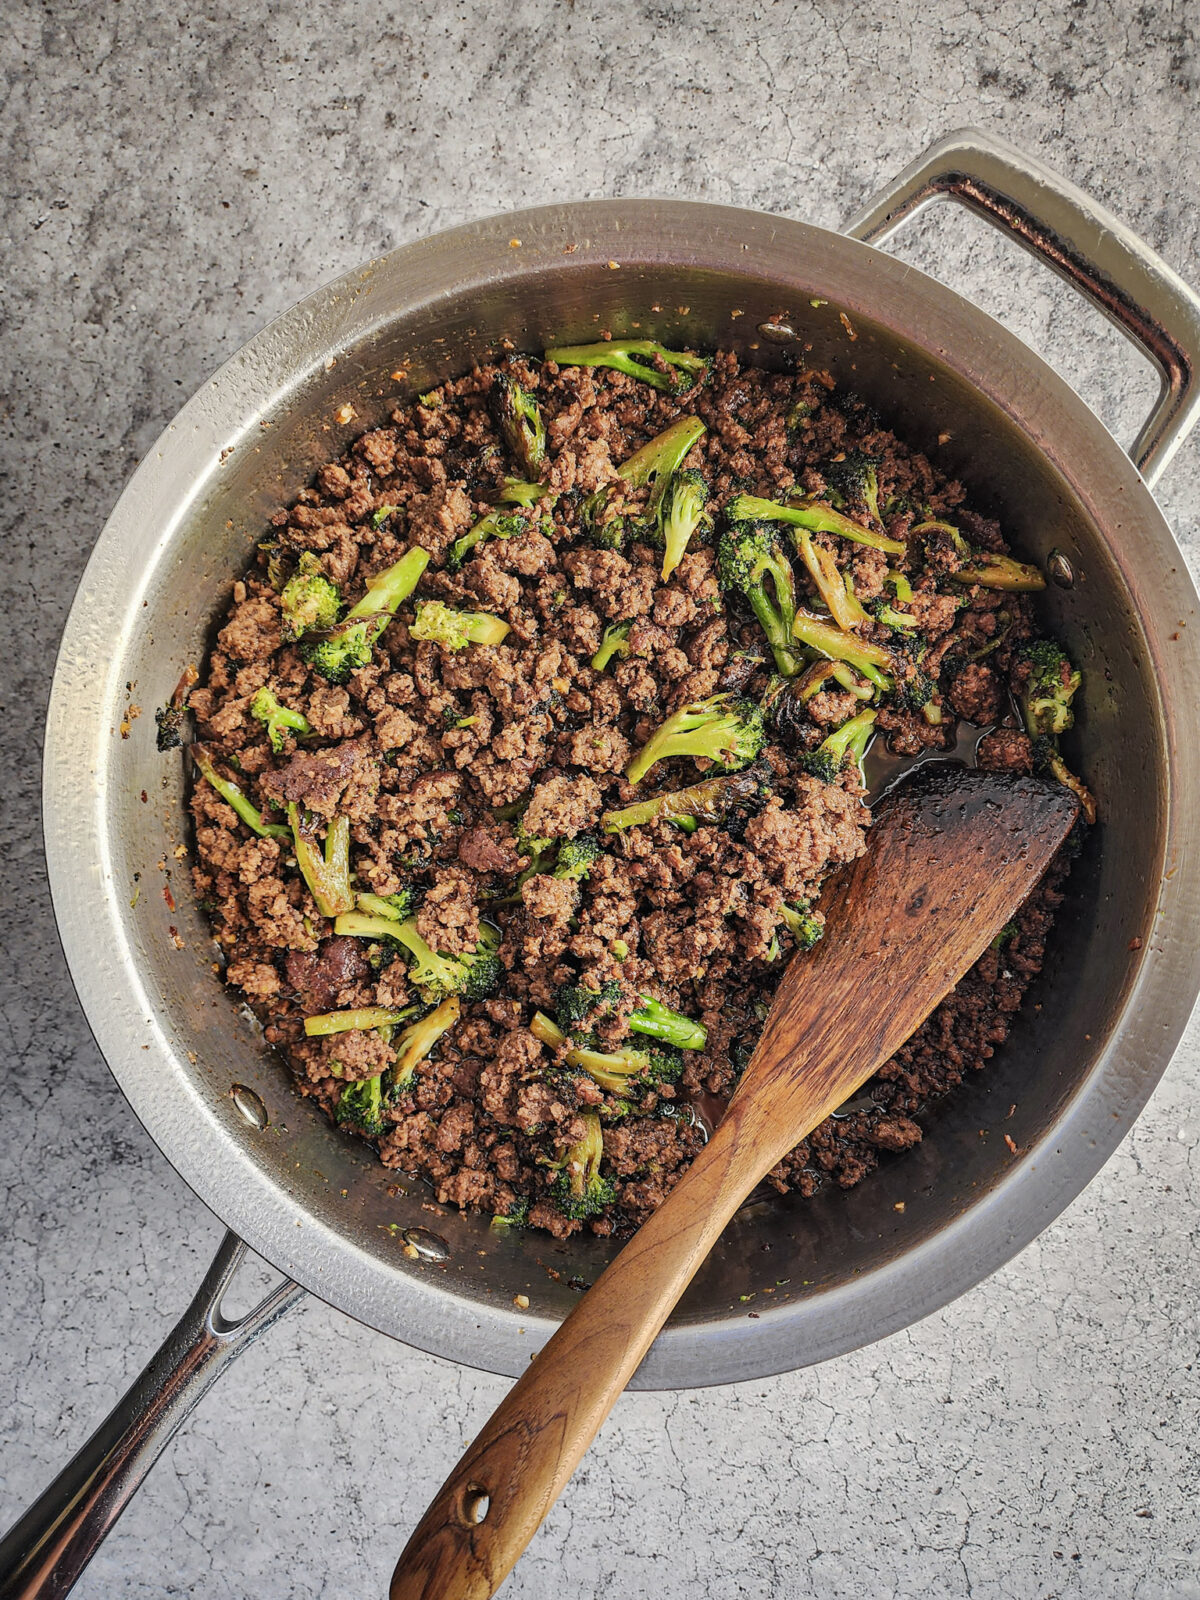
<point x="1084" y="243"/>
<point x="44" y="1554"/>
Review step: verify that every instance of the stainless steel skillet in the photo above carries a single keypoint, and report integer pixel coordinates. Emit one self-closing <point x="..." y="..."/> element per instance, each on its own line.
<point x="949" y="379"/>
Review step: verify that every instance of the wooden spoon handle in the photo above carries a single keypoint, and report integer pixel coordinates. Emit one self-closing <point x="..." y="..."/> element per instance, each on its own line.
<point x="490" y="1506"/>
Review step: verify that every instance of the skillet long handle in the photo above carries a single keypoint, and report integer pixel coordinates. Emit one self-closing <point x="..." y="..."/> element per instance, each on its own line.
<point x="43" y="1555"/>
<point x="492" y="1503"/>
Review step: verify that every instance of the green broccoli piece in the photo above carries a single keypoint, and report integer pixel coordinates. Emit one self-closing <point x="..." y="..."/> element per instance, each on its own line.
<point x="233" y="795"/>
<point x="308" y="600"/>
<point x="627" y="1071"/>
<point x="849" y="741"/>
<point x="579" y="1191"/>
<point x="710" y="800"/>
<point x="614" y="643"/>
<point x="171" y="721"/>
<point x="991" y="571"/>
<point x="454" y="630"/>
<point x="656" y="464"/>
<point x="360" y="1019"/>
<point x="517" y="492"/>
<point x="899" y="622"/>
<point x="415" y="1042"/>
<point x="396" y="907"/>
<point x="517" y="1215"/>
<point x="342" y="650"/>
<point x="673" y="371"/>
<point x="327" y="873"/>
<point x="749" y="558"/>
<point x="277" y="717"/>
<point x="380" y="516"/>
<point x="1051" y="684"/>
<point x="494" y="524"/>
<point x="854" y="479"/>
<point x="806" y="927"/>
<point x="519" y="420"/>
<point x="833" y="585"/>
<point x="683" y="514"/>
<point x="830" y="641"/>
<point x="474" y="976"/>
<point x="806" y="512"/>
<point x="576" y="857"/>
<point x="361" y="1105"/>
<point x="726" y="729"/>
<point x="578" y="1007"/>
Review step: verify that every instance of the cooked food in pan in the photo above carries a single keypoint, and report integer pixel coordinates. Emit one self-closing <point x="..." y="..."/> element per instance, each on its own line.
<point x="533" y="730"/>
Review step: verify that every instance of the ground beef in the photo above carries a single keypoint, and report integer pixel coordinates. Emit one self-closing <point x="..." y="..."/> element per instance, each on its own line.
<point x="469" y="785"/>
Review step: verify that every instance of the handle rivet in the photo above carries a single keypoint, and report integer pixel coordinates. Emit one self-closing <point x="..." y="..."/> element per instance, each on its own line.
<point x="1060" y="569"/>
<point x="431" y="1246"/>
<point x="778" y="332"/>
<point x="249" y="1104"/>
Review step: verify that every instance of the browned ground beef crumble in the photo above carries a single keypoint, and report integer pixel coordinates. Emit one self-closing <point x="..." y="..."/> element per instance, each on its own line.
<point x="420" y="747"/>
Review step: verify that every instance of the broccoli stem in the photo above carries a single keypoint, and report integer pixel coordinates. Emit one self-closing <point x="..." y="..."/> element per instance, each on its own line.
<point x="390" y="588"/>
<point x="814" y="516"/>
<point x="844" y="606"/>
<point x="719" y="728"/>
<point x="685" y="371"/>
<point x="360" y="1019"/>
<point x="232" y="794"/>
<point x="516" y="492"/>
<point x="658" y="460"/>
<point x="614" y="643"/>
<point x="1000" y="572"/>
<point x="328" y="875"/>
<point x="657" y="1021"/>
<point x="419" y="1038"/>
<point x="868" y="658"/>
<point x="706" y="801"/>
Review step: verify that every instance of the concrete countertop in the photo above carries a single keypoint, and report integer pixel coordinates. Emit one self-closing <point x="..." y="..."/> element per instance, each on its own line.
<point x="171" y="181"/>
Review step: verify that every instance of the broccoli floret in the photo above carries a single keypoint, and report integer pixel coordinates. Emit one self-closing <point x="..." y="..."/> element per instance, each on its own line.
<point x="396" y="907"/>
<point x="614" y="643"/>
<point x="683" y="514"/>
<point x="474" y="976"/>
<point x="577" y="1006"/>
<point x="749" y="558"/>
<point x="579" y="1191"/>
<point x="517" y="1215"/>
<point x="915" y="692"/>
<point x="342" y="650"/>
<point x="710" y="800"/>
<point x="674" y="371"/>
<point x="603" y="527"/>
<point x="850" y="740"/>
<point x="360" y="1106"/>
<point x="454" y="630"/>
<point x="277" y="717"/>
<point x="869" y="659"/>
<point x="494" y="524"/>
<point x="806" y="512"/>
<point x="327" y="873"/>
<point x="1006" y="935"/>
<point x="308" y="600"/>
<point x="806" y="927"/>
<point x="1049" y="688"/>
<point x="855" y="479"/>
<point x="520" y="423"/>
<point x="1045" y="700"/>
<point x="576" y="857"/>
<point x="899" y="622"/>
<point x="232" y="794"/>
<point x="727" y="729"/>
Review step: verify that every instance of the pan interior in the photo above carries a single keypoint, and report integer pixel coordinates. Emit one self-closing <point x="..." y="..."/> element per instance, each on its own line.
<point x="163" y="573"/>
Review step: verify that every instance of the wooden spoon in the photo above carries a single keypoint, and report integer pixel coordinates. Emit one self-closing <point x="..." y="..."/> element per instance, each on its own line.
<point x="951" y="855"/>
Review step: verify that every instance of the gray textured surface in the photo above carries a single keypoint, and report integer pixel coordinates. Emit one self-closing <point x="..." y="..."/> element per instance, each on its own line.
<point x="170" y="182"/>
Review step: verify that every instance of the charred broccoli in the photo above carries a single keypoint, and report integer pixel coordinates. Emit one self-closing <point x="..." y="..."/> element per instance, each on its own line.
<point x="850" y="740"/>
<point x="520" y="423"/>
<point x="326" y="873"/>
<point x="1045" y="698"/>
<point x="749" y="558"/>
<point x="854" y="479"/>
<point x="710" y="800"/>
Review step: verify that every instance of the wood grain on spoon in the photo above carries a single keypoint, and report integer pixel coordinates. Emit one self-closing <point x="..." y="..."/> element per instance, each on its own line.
<point x="950" y="857"/>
